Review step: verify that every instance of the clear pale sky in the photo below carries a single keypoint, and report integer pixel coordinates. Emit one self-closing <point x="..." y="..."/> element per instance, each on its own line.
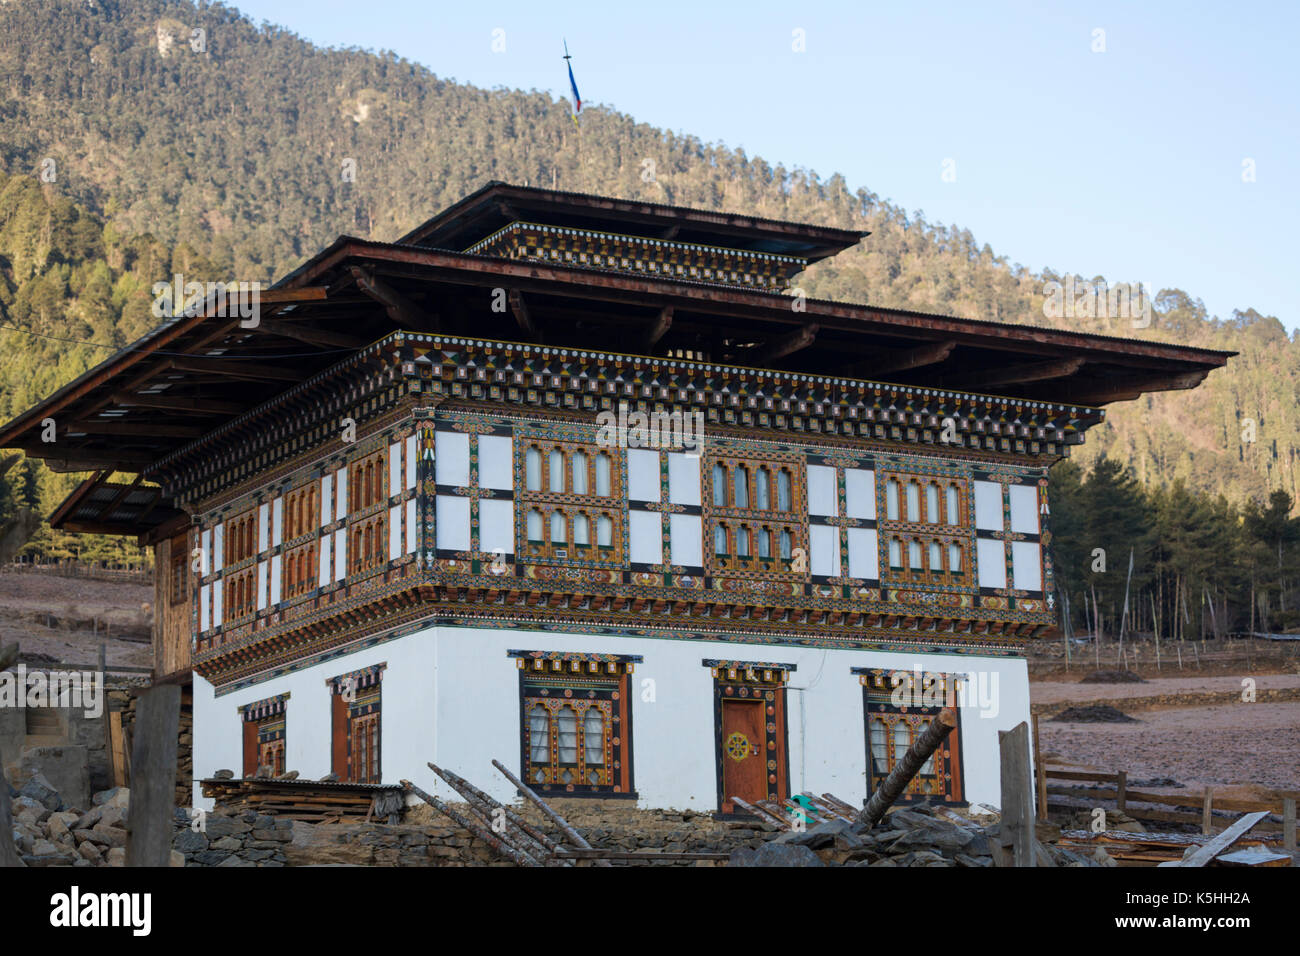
<point x="1126" y="163"/>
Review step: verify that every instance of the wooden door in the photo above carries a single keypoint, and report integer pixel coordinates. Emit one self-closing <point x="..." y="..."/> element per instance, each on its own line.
<point x="744" y="772"/>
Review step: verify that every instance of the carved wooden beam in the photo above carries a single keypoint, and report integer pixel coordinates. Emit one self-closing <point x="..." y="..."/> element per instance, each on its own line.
<point x="196" y="406"/>
<point x="658" y="327"/>
<point x="234" y="368"/>
<point x="313" y="335"/>
<point x="399" y="308"/>
<point x="524" y="319"/>
<point x="1015" y="374"/>
<point x="901" y="360"/>
<point x="787" y="344"/>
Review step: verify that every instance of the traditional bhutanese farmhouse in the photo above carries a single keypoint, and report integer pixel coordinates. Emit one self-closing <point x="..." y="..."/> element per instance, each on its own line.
<point x="576" y="483"/>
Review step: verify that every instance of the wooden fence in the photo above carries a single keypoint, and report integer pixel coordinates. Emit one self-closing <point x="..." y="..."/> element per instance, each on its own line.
<point x="1193" y="807"/>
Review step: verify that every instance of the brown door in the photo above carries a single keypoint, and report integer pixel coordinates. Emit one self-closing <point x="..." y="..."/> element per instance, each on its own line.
<point x="744" y="772"/>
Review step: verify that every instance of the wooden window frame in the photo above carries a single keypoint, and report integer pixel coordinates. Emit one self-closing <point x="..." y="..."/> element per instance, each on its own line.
<point x="734" y="521"/>
<point x="358" y="719"/>
<point x="549" y="501"/>
<point x="581" y="682"/>
<point x="946" y="782"/>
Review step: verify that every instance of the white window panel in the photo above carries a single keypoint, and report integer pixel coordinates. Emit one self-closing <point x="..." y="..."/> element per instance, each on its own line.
<point x="218" y="547"/>
<point x="643" y="475"/>
<point x="410" y="526"/>
<point x="394" y="469"/>
<point x="261" y="585"/>
<point x="496" y="526"/>
<point x="410" y="461"/>
<point x="822" y="499"/>
<point x="205" y="607"/>
<point x="341" y="498"/>
<point x="1026" y="566"/>
<point x="685" y="534"/>
<point x="206" y="546"/>
<point x="988" y="505"/>
<point x="824" y="543"/>
<point x="326" y="500"/>
<point x="1024" y="508"/>
<point x="451" y="462"/>
<point x="217" y="590"/>
<point x="323" y="572"/>
<point x="864" y="554"/>
<point x="394" y="533"/>
<point x="452" y="515"/>
<point x="495" y="462"/>
<point x="277" y="522"/>
<point x="340" y="554"/>
<point x="683" y="480"/>
<point x="992" y="559"/>
<point x="859" y="493"/>
<point x="275" y="580"/>
<point x="263" y="528"/>
<point x="645" y="537"/>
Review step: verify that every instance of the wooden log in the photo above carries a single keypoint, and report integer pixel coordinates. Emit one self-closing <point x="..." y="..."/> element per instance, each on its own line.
<point x="551" y="815"/>
<point x="1209" y="851"/>
<point x="1017" y="828"/>
<point x="153" y="784"/>
<point x="765" y="816"/>
<point x="1121" y="789"/>
<point x="1206" y="810"/>
<point x="893" y="785"/>
<point x="1040" y="774"/>
<point x="8" y="852"/>
<point x="483" y="833"/>
<point x="535" y="840"/>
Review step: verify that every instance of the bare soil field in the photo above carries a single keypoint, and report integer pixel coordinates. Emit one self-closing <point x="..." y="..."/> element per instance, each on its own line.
<point x="55" y="616"/>
<point x="1241" y="743"/>
<point x="1059" y="692"/>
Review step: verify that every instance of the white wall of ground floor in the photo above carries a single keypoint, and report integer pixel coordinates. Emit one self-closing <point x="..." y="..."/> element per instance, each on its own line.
<point x="451" y="696"/>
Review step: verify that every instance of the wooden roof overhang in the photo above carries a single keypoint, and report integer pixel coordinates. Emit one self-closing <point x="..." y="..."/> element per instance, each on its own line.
<point x="101" y="506"/>
<point x="201" y="370"/>
<point x="498" y="204"/>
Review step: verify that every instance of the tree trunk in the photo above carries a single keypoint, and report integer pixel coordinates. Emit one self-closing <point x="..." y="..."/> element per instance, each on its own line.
<point x="906" y="769"/>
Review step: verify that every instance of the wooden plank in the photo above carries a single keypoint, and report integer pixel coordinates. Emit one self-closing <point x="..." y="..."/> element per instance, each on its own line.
<point x="1097" y="776"/>
<point x="1207" y="811"/>
<point x="1121" y="789"/>
<point x="117" y="748"/>
<point x="1040" y="774"/>
<point x="153" y="790"/>
<point x="8" y="851"/>
<point x="1209" y="851"/>
<point x="1017" y="828"/>
<point x="1288" y="824"/>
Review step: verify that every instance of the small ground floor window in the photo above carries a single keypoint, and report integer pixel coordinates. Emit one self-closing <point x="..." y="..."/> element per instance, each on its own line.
<point x="355" y="714"/>
<point x="264" y="733"/>
<point x="575" y="723"/>
<point x="898" y="710"/>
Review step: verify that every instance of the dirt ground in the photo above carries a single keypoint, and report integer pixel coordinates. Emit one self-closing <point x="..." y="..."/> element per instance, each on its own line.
<point x="52" y="615"/>
<point x="1058" y="692"/>
<point x="1256" y="743"/>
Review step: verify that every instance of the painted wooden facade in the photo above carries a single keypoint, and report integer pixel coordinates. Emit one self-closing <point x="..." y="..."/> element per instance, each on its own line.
<point x="586" y="484"/>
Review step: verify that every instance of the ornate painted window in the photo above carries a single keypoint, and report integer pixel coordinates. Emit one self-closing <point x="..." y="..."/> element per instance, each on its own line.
<point x="898" y="709"/>
<point x="575" y="723"/>
<point x="752" y="519"/>
<point x="926" y="530"/>
<point x="301" y="511"/>
<point x="264" y="730"/>
<point x="355" y="724"/>
<point x="368" y="480"/>
<point x="572" y="509"/>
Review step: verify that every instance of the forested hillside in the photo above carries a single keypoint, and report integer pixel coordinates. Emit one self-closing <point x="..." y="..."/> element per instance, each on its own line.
<point x="131" y="154"/>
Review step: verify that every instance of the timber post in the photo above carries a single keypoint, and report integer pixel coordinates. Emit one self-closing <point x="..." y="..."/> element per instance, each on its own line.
<point x="153" y="794"/>
<point x="1017" y="829"/>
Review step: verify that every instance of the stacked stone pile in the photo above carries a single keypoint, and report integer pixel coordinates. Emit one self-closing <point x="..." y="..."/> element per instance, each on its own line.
<point x="906" y="837"/>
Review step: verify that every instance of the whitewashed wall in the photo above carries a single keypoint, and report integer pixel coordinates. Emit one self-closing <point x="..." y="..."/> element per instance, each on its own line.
<point x="451" y="695"/>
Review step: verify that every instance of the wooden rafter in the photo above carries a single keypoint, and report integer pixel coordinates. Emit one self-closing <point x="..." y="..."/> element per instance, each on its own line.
<point x="400" y="309"/>
<point x="782" y="346"/>
<point x="1031" y="372"/>
<point x="519" y="308"/>
<point x="233" y="367"/>
<point x="885" y="361"/>
<point x="178" y="403"/>
<point x="313" y="335"/>
<point x="658" y="328"/>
